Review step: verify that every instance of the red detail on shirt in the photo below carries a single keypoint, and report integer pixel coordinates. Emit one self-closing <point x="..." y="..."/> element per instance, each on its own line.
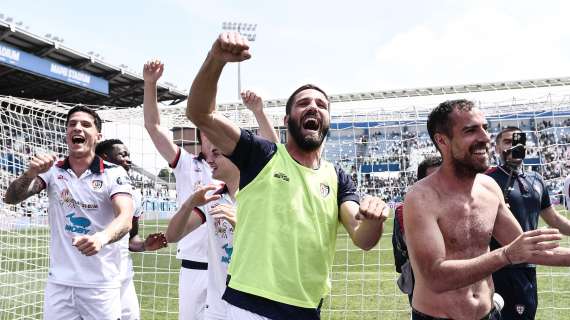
<point x="399" y="214"/>
<point x="175" y="162"/>
<point x="491" y="170"/>
<point x="200" y="214"/>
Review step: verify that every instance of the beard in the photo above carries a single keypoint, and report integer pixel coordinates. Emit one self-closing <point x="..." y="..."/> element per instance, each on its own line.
<point x="309" y="142"/>
<point x="467" y="166"/>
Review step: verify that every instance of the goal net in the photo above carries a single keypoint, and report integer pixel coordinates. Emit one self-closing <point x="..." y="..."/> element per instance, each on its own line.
<point x="379" y="148"/>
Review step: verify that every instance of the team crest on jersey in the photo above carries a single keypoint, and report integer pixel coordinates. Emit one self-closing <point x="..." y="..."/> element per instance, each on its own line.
<point x="325" y="190"/>
<point x="61" y="177"/>
<point x="96" y="184"/>
<point x="519" y="308"/>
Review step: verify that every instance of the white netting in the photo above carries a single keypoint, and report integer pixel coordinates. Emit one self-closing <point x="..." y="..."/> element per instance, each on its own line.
<point x="379" y="148"/>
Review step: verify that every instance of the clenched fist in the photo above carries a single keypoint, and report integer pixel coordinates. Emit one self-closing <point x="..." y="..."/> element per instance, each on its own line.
<point x="230" y="47"/>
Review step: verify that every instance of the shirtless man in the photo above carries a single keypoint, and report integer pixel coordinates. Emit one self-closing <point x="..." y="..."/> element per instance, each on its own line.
<point x="451" y="216"/>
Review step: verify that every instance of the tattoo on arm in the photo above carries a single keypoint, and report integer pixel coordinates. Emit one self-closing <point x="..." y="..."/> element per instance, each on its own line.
<point x="118" y="234"/>
<point x="22" y="188"/>
<point x="135" y="228"/>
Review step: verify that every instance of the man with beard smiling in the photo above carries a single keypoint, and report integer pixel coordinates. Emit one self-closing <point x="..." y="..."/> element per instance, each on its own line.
<point x="90" y="209"/>
<point x="451" y="216"/>
<point x="290" y="201"/>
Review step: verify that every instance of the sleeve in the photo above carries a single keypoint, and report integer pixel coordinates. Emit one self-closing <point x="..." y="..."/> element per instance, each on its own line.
<point x="46" y="177"/>
<point x="251" y="154"/>
<point x="137" y="203"/>
<point x="119" y="182"/>
<point x="174" y="163"/>
<point x="346" y="188"/>
<point x="545" y="201"/>
<point x="200" y="212"/>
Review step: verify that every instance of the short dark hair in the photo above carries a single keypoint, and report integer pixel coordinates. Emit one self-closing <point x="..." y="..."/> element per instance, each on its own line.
<point x="86" y="110"/>
<point x="428" y="162"/>
<point x="438" y="119"/>
<point x="308" y="86"/>
<point x="105" y="147"/>
<point x="505" y="130"/>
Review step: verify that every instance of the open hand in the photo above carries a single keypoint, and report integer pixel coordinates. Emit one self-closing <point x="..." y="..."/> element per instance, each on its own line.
<point x="152" y="71"/>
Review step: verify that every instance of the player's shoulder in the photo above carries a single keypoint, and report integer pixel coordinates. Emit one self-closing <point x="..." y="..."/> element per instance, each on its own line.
<point x="423" y="190"/>
<point x="112" y="169"/>
<point x="486" y="180"/>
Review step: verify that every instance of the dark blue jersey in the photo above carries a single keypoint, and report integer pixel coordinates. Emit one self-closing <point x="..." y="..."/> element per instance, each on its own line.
<point x="526" y="196"/>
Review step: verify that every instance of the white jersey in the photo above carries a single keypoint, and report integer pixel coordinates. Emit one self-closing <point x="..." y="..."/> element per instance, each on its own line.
<point x="191" y="173"/>
<point x="567" y="192"/>
<point x="220" y="247"/>
<point x="80" y="206"/>
<point x="127" y="271"/>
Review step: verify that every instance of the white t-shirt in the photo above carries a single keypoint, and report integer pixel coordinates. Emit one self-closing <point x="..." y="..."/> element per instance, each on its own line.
<point x="191" y="173"/>
<point x="567" y="192"/>
<point x="127" y="271"/>
<point x="220" y="248"/>
<point x="80" y="206"/>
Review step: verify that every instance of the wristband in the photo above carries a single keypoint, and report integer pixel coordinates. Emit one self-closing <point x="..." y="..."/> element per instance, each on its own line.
<point x="102" y="237"/>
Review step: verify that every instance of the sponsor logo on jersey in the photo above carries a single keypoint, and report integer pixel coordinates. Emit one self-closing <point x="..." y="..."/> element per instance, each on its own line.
<point x="66" y="200"/>
<point x="519" y="308"/>
<point x="96" y="184"/>
<point x="281" y="175"/>
<point x="61" y="177"/>
<point x="123" y="180"/>
<point x="77" y="224"/>
<point x="229" y="250"/>
<point x="325" y="190"/>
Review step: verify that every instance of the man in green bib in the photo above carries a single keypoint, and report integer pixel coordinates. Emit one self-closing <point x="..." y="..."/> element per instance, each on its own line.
<point x="290" y="201"/>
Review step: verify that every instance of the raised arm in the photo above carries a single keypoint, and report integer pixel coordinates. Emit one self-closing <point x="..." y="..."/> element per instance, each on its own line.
<point x="28" y="183"/>
<point x="91" y="244"/>
<point x="160" y="136"/>
<point x="186" y="220"/>
<point x="255" y="104"/>
<point x="229" y="47"/>
<point x="365" y="222"/>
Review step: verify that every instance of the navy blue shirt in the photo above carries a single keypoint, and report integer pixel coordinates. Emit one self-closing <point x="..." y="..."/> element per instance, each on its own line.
<point x="251" y="155"/>
<point x="527" y="197"/>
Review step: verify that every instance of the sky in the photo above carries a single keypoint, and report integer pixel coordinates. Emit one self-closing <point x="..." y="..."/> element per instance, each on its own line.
<point x="348" y="46"/>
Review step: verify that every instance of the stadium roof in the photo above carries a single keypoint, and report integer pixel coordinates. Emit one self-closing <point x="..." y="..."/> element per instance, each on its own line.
<point x="32" y="66"/>
<point x="429" y="91"/>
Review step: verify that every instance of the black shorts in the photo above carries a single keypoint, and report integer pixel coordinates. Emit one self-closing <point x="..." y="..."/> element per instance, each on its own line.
<point x="517" y="286"/>
<point x="416" y="315"/>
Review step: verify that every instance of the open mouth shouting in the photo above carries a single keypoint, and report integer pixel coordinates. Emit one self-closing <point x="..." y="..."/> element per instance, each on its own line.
<point x="77" y="140"/>
<point x="311" y="122"/>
